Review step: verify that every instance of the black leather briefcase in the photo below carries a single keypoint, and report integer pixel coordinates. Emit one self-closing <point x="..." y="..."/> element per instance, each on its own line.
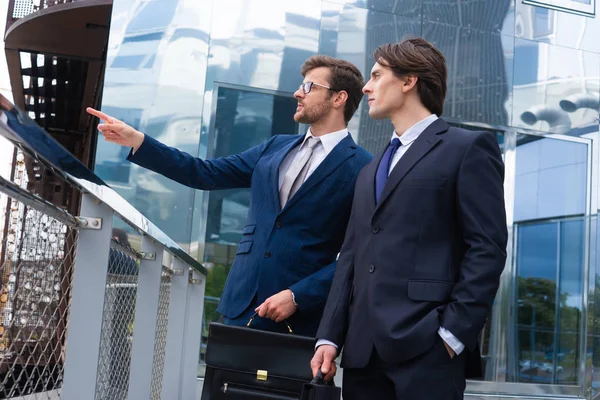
<point x="244" y="364"/>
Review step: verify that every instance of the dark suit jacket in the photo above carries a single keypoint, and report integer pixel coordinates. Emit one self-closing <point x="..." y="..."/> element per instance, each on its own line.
<point x="294" y="247"/>
<point x="429" y="254"/>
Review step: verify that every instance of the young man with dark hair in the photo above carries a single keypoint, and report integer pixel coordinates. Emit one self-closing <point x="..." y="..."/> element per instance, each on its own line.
<point x="301" y="188"/>
<point x="425" y="244"/>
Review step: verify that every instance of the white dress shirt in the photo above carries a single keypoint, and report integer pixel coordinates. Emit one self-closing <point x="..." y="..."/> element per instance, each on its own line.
<point x="407" y="139"/>
<point x="328" y="142"/>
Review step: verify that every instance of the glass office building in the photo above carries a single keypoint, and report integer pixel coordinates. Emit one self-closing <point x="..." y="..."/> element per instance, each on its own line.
<point x="215" y="77"/>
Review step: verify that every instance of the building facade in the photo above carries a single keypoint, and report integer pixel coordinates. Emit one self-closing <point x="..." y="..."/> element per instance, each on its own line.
<point x="215" y="77"/>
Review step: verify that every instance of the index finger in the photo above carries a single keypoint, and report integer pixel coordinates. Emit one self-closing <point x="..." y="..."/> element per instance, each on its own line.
<point x="100" y="114"/>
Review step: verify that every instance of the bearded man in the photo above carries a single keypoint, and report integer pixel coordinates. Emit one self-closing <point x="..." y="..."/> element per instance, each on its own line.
<point x="301" y="196"/>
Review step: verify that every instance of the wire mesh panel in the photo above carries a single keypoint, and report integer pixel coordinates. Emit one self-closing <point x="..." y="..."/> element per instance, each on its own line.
<point x="37" y="257"/>
<point x="35" y="279"/>
<point x="160" y="340"/>
<point x="117" y="324"/>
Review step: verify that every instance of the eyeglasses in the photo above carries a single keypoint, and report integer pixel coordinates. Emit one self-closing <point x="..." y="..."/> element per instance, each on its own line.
<point x="307" y="86"/>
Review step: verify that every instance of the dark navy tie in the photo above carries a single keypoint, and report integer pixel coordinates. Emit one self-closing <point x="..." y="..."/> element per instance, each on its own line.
<point x="384" y="167"/>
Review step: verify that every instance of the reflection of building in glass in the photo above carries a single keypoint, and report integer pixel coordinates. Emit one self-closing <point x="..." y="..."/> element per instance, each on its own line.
<point x="243" y="119"/>
<point x="215" y="77"/>
<point x="550" y="252"/>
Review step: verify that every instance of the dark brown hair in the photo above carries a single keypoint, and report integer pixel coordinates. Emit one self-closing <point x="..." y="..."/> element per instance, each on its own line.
<point x="418" y="57"/>
<point x="343" y="76"/>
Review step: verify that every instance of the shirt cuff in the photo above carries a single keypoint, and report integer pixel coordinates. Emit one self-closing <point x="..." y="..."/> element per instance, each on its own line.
<point x="325" y="341"/>
<point x="450" y="340"/>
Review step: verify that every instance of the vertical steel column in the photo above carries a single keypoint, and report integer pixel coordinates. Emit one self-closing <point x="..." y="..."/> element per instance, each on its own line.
<point x="87" y="303"/>
<point x="146" y="315"/>
<point x="194" y="311"/>
<point x="174" y="348"/>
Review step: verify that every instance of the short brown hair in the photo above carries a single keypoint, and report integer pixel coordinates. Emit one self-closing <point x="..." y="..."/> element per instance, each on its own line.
<point x="418" y="57"/>
<point x="344" y="76"/>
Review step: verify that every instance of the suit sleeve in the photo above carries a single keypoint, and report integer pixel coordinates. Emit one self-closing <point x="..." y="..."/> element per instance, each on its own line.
<point x="311" y="292"/>
<point x="222" y="173"/>
<point x="334" y="323"/>
<point x="482" y="221"/>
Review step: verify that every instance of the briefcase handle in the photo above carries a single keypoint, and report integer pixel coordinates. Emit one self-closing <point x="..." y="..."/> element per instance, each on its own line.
<point x="319" y="379"/>
<point x="284" y="321"/>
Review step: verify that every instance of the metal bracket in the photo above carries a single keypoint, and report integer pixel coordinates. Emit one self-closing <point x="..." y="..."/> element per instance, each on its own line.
<point x="147" y="256"/>
<point x="192" y="280"/>
<point x="89" y="223"/>
<point x="173" y="271"/>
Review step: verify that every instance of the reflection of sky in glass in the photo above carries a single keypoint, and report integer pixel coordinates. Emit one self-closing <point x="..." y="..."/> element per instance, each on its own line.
<point x="538" y="255"/>
<point x="152" y="16"/>
<point x="571" y="261"/>
<point x="537" y="251"/>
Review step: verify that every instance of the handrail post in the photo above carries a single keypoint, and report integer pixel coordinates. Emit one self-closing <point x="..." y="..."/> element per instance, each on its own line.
<point x="146" y="315"/>
<point x="174" y="349"/>
<point x="194" y="311"/>
<point x="87" y="303"/>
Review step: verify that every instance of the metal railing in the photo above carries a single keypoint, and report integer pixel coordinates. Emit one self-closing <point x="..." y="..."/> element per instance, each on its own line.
<point x="87" y="310"/>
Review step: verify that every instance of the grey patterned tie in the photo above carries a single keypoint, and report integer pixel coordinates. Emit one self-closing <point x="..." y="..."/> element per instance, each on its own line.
<point x="296" y="173"/>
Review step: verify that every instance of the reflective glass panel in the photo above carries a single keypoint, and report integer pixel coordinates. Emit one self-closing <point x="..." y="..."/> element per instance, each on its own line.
<point x="243" y="118"/>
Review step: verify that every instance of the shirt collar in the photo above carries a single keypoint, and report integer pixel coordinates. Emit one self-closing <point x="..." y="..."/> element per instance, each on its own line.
<point x="329" y="140"/>
<point x="415" y="131"/>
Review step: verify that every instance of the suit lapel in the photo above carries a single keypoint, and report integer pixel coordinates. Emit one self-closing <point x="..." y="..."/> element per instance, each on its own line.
<point x="342" y="151"/>
<point x="424" y="143"/>
<point x="275" y="168"/>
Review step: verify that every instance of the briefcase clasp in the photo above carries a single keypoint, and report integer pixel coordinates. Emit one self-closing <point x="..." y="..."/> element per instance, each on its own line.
<point x="261" y="375"/>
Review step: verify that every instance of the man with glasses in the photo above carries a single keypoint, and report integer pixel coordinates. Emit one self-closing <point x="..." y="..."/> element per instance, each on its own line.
<point x="301" y="196"/>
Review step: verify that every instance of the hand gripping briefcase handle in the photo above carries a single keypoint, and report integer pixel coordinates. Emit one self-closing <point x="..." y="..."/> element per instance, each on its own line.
<point x="256" y="315"/>
<point x="319" y="389"/>
<point x="319" y="379"/>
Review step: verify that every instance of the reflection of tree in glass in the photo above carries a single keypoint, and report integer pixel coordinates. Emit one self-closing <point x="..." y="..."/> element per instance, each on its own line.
<point x="215" y="281"/>
<point x="538" y="295"/>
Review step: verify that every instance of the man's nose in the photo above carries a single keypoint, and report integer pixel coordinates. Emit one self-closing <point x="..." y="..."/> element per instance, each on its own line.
<point x="299" y="94"/>
<point x="367" y="88"/>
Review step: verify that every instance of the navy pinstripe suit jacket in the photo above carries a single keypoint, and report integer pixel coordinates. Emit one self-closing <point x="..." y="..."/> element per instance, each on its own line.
<point x="294" y="247"/>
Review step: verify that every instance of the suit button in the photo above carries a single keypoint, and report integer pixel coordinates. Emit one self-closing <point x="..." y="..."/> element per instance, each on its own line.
<point x="278" y="224"/>
<point x="371" y="268"/>
<point x="267" y="254"/>
<point x="376" y="229"/>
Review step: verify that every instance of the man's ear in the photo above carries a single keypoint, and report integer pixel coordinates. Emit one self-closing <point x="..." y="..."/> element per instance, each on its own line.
<point x="340" y="98"/>
<point x="409" y="82"/>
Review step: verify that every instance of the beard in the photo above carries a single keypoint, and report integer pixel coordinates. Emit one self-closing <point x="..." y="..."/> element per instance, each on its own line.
<point x="310" y="115"/>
